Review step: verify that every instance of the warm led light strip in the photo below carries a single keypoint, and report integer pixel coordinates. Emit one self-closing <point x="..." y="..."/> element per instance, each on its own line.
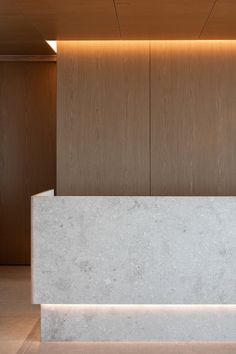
<point x="53" y="43"/>
<point x="141" y="307"/>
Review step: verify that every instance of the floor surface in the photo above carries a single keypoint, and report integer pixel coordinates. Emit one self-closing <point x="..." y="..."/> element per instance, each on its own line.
<point x="20" y="327"/>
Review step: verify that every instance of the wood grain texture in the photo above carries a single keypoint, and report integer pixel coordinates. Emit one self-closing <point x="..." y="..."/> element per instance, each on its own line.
<point x="103" y="118"/>
<point x="27" y="150"/>
<point x="193" y="125"/>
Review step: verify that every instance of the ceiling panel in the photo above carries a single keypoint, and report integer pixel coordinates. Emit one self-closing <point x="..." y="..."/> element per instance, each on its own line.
<point x="18" y="36"/>
<point x="8" y="7"/>
<point x="16" y="28"/>
<point x="108" y="19"/>
<point x="222" y="22"/>
<point x="25" y="24"/>
<point x="162" y="19"/>
<point x="72" y="19"/>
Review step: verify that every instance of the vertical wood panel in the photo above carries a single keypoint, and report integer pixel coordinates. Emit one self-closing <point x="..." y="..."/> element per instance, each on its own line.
<point x="27" y="150"/>
<point x="103" y="118"/>
<point x="193" y="124"/>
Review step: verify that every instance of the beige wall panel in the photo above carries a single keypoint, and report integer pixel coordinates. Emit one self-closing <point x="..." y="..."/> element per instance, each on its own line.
<point x="193" y="124"/>
<point x="103" y="118"/>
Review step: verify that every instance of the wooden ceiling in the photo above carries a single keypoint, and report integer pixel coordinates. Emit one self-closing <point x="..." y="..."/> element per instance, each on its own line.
<point x="18" y="35"/>
<point x="25" y="24"/>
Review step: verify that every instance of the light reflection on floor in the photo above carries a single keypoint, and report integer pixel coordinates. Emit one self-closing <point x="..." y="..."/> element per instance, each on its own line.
<point x="136" y="348"/>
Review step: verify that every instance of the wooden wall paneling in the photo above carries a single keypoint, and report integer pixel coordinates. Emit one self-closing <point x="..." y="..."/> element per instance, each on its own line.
<point x="27" y="150"/>
<point x="103" y="118"/>
<point x="193" y="126"/>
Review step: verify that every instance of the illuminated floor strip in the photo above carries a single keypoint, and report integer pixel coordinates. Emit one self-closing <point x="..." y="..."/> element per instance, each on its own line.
<point x="146" y="323"/>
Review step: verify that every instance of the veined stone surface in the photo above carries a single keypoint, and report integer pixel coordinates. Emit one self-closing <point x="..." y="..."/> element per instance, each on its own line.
<point x="133" y="250"/>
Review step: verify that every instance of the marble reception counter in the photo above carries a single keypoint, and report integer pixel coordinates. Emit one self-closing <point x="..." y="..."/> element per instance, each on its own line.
<point x="134" y="268"/>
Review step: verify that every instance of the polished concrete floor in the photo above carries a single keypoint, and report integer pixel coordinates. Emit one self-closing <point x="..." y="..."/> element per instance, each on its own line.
<point x="20" y="327"/>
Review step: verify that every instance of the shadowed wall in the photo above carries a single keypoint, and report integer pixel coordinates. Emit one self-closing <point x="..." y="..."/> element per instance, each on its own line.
<point x="27" y="150"/>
